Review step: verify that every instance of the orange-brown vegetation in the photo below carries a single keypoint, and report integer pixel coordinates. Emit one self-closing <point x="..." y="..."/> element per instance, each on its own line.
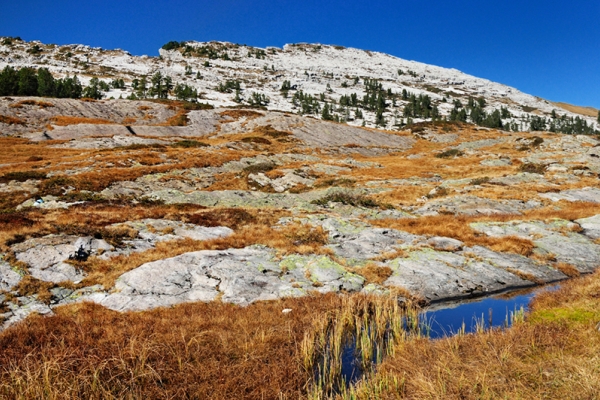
<point x="5" y="119"/>
<point x="28" y="102"/>
<point x="179" y="119"/>
<point x="458" y="227"/>
<point x="567" y="269"/>
<point x="374" y="273"/>
<point x="209" y="351"/>
<point x="129" y="120"/>
<point x="237" y="114"/>
<point x="64" y="120"/>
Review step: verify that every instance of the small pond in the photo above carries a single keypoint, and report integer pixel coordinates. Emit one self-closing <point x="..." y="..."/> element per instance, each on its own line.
<point x="447" y="319"/>
<point x="487" y="312"/>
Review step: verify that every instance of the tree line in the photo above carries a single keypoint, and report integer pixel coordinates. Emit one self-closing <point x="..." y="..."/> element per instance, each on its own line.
<point x="29" y="82"/>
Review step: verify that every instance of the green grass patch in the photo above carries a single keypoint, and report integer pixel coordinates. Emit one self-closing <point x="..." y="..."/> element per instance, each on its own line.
<point x="569" y="316"/>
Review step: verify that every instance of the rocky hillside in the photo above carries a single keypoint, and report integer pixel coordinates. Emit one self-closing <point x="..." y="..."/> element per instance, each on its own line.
<point x="331" y="82"/>
<point x="244" y="205"/>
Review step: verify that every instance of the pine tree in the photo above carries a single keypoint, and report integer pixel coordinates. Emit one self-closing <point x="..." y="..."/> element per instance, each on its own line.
<point x="93" y="91"/>
<point x="326" y="115"/>
<point x="599" y="117"/>
<point x="142" y="88"/>
<point x="156" y="88"/>
<point x="28" y="83"/>
<point x="46" y="83"/>
<point x="379" y="119"/>
<point x="9" y="81"/>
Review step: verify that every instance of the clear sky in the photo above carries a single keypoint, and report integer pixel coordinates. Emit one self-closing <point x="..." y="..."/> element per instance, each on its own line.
<point x="547" y="48"/>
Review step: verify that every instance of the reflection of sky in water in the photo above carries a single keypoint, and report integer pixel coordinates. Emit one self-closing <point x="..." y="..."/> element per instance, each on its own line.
<point x="448" y="321"/>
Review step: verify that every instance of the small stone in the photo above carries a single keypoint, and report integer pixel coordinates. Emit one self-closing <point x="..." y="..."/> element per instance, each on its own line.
<point x="445" y="244"/>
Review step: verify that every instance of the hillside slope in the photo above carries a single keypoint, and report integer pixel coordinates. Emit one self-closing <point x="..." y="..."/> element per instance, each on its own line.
<point x="226" y="74"/>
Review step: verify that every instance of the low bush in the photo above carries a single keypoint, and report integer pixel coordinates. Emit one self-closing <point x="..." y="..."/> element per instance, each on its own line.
<point x="259" y="167"/>
<point x="451" y="153"/>
<point x="187" y="144"/>
<point x="347" y="198"/>
<point x="533" y="168"/>
<point x="56" y="185"/>
<point x="256" y="139"/>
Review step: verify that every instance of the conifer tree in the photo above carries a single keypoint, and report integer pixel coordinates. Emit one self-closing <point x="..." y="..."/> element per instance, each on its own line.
<point x="93" y="91"/>
<point x="326" y="115"/>
<point x="9" y="81"/>
<point x="46" y="83"/>
<point x="28" y="83"/>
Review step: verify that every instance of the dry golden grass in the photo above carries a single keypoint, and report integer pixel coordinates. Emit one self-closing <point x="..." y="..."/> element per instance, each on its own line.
<point x="14" y="151"/>
<point x="129" y="120"/>
<point x="567" y="269"/>
<point x="458" y="227"/>
<point x="5" y="119"/>
<point x="64" y="120"/>
<point x="179" y="119"/>
<point x="41" y="104"/>
<point x="203" y="351"/>
<point x="217" y="350"/>
<point x="373" y="273"/>
<point x="238" y="114"/>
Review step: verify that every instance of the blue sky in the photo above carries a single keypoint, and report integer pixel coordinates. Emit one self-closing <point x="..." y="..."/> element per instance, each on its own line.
<point x="546" y="48"/>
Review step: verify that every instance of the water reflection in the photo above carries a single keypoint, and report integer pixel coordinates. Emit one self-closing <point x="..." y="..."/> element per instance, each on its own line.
<point x="490" y="312"/>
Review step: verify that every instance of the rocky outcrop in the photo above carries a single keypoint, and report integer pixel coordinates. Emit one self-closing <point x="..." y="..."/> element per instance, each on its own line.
<point x="473" y="205"/>
<point x="586" y="194"/>
<point x="557" y="240"/>
<point x="239" y="276"/>
<point x="8" y="277"/>
<point x="46" y="257"/>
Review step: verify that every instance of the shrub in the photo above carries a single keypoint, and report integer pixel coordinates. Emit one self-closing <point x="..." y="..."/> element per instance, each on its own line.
<point x="188" y="144"/>
<point x="346" y="198"/>
<point x="259" y="167"/>
<point x="480" y="181"/>
<point x="56" y="185"/>
<point x="256" y="139"/>
<point x="189" y="105"/>
<point x="172" y="45"/>
<point x="451" y="153"/>
<point x="533" y="168"/>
